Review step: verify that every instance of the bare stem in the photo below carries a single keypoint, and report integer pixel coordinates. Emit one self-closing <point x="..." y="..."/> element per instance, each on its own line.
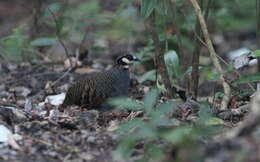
<point x="58" y="37"/>
<point x="159" y="56"/>
<point x="213" y="55"/>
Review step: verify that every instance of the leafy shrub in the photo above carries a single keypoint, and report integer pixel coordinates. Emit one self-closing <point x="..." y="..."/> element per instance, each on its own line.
<point x="157" y="131"/>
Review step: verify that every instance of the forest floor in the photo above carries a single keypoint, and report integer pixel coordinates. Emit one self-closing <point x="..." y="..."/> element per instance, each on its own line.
<point x="76" y="134"/>
<point x="42" y="133"/>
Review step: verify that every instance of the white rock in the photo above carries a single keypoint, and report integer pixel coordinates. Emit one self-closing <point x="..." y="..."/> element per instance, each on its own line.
<point x="55" y="100"/>
<point x="4" y="133"/>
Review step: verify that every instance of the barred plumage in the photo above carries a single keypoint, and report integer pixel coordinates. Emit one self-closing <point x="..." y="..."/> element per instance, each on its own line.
<point x="97" y="88"/>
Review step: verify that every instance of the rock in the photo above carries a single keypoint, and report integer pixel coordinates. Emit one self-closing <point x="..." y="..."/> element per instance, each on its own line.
<point x="91" y="139"/>
<point x="28" y="105"/>
<point x="6" y="136"/>
<point x="55" y="100"/>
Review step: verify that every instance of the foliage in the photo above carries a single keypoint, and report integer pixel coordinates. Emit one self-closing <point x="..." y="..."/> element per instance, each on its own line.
<point x="256" y="53"/>
<point x="173" y="65"/>
<point x="154" y="127"/>
<point x="15" y="47"/>
<point x="43" y="42"/>
<point x="249" y="78"/>
<point x="229" y="17"/>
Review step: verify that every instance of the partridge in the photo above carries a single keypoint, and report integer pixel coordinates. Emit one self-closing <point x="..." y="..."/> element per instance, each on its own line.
<point x="95" y="89"/>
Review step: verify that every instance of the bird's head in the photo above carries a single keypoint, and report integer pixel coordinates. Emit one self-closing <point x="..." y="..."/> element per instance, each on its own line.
<point x="126" y="60"/>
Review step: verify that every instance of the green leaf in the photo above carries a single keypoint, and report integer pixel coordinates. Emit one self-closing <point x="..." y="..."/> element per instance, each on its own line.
<point x="150" y="75"/>
<point x="150" y="99"/>
<point x="147" y="7"/>
<point x="248" y="78"/>
<point x="146" y="132"/>
<point x="161" y="87"/>
<point x="153" y="151"/>
<point x="205" y="113"/>
<point x="172" y="62"/>
<point x="256" y="53"/>
<point x="123" y="102"/>
<point x="124" y="149"/>
<point x="219" y="95"/>
<point x="214" y="121"/>
<point x="129" y="125"/>
<point x="165" y="108"/>
<point x="157" y="119"/>
<point x="59" y="25"/>
<point x="211" y="76"/>
<point x="43" y="41"/>
<point x="178" y="134"/>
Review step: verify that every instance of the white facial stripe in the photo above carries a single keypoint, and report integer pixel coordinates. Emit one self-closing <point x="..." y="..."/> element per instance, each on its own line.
<point x="134" y="57"/>
<point x="125" y="60"/>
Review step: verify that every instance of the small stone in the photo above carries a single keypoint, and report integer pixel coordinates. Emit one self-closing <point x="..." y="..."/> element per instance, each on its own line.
<point x="91" y="139"/>
<point x="86" y="156"/>
<point x="55" y="100"/>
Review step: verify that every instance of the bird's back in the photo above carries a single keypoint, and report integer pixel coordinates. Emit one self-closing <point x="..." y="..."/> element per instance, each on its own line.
<point x="96" y="88"/>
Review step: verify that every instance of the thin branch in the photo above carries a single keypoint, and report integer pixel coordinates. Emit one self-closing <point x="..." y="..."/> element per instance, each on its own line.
<point x="159" y="56"/>
<point x="58" y="37"/>
<point x="61" y="77"/>
<point x="213" y="55"/>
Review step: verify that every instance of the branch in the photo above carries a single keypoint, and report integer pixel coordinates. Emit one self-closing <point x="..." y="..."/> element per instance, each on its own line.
<point x="213" y="54"/>
<point x="159" y="56"/>
<point x="59" y="39"/>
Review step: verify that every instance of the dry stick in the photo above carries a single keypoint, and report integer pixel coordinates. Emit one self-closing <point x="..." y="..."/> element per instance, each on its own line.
<point x="213" y="55"/>
<point x="159" y="56"/>
<point x="59" y="39"/>
<point x="61" y="77"/>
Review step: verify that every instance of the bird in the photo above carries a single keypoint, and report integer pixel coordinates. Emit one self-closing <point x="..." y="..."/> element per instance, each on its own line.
<point x="94" y="90"/>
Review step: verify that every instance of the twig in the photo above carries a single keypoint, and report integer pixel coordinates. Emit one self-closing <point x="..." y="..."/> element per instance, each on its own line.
<point x="58" y="37"/>
<point x="63" y="76"/>
<point x="213" y="55"/>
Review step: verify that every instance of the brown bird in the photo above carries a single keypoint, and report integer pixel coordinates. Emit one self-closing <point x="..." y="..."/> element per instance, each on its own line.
<point x="95" y="89"/>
